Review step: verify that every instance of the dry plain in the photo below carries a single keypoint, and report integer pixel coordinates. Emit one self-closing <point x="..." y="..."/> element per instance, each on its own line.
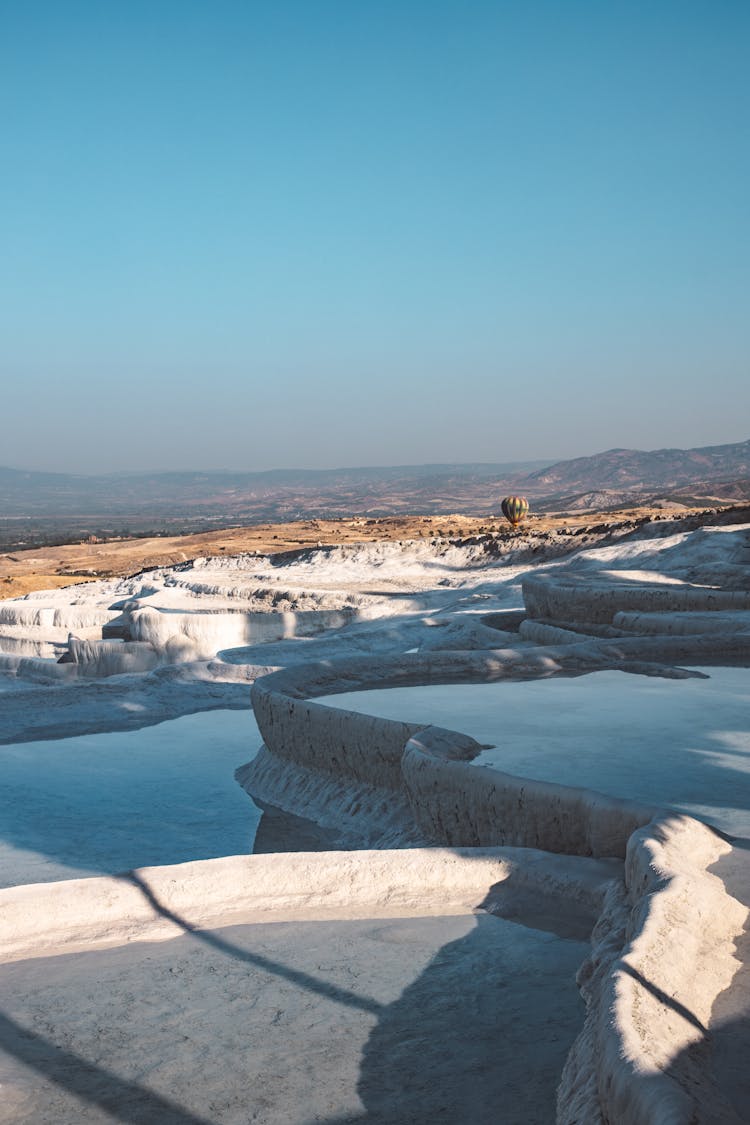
<point x="46" y="568"/>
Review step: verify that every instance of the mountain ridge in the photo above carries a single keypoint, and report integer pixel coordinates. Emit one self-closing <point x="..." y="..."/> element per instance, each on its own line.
<point x="671" y="467"/>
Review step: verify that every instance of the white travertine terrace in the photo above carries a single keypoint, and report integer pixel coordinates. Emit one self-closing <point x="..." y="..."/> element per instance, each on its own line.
<point x="664" y="946"/>
<point x="669" y="932"/>
<point x="154" y="904"/>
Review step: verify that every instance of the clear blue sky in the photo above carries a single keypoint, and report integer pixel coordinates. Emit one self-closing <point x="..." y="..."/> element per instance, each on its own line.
<point x="306" y="233"/>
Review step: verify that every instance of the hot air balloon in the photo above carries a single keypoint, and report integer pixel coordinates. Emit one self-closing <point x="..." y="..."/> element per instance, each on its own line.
<point x="514" y="509"/>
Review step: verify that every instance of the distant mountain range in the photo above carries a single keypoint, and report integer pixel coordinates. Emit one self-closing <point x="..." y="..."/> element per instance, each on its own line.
<point x="632" y="469"/>
<point x="168" y="501"/>
<point x="632" y="475"/>
<point x="277" y="494"/>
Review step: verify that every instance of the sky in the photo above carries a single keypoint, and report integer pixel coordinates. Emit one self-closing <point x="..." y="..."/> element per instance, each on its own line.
<point x="319" y="233"/>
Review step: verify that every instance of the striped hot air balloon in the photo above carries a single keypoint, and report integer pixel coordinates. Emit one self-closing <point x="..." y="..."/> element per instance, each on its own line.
<point x="514" y="509"/>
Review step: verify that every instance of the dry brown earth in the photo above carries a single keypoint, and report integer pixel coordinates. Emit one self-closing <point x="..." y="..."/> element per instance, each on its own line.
<point x="44" y="568"/>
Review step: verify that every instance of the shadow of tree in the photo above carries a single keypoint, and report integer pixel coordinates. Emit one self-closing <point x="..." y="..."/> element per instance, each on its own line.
<point x="481" y="1036"/>
<point x="459" y="1044"/>
<point x="211" y="938"/>
<point x="730" y="1043"/>
<point x="94" y="1084"/>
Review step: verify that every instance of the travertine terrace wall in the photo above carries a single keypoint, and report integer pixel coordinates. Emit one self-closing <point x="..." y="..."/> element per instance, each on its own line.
<point x="199" y="634"/>
<point x="662" y="951"/>
<point x="656" y="645"/>
<point x="455" y="803"/>
<point x="157" y="903"/>
<point x="583" y="598"/>
<point x="452" y="802"/>
<point x="359" y="747"/>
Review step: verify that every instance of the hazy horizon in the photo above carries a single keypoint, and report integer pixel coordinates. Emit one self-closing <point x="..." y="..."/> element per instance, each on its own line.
<point x="125" y="468"/>
<point x="229" y="469"/>
<point x="353" y="235"/>
<point x="509" y="465"/>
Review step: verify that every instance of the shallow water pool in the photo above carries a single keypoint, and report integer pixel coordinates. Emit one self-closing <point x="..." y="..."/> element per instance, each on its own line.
<point x="108" y="802"/>
<point x="684" y="744"/>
